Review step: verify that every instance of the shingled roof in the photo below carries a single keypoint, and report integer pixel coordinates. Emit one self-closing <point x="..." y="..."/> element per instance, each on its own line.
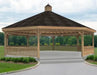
<point x="46" y="18"/>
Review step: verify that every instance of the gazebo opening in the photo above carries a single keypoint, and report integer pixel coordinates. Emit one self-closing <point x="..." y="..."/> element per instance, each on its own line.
<point x="51" y="25"/>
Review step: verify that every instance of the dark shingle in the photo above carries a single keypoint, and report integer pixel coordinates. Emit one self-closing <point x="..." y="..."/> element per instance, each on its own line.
<point x="46" y="18"/>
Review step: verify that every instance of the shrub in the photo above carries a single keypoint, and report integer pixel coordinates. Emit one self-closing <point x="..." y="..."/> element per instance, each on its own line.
<point x="11" y="43"/>
<point x="22" y="44"/>
<point x="51" y="44"/>
<point x="45" y="44"/>
<point x="57" y="44"/>
<point x="32" y="59"/>
<point x="26" y="60"/>
<point x="90" y="57"/>
<point x="95" y="58"/>
<point x="21" y="59"/>
<point x="2" y="58"/>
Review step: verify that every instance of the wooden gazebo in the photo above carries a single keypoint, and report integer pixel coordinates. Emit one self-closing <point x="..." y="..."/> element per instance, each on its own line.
<point x="46" y="23"/>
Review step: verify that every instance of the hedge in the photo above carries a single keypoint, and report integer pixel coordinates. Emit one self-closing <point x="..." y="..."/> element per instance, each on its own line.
<point x="21" y="59"/>
<point x="92" y="57"/>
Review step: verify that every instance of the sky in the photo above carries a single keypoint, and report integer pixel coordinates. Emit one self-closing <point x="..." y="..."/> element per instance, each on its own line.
<point x="81" y="11"/>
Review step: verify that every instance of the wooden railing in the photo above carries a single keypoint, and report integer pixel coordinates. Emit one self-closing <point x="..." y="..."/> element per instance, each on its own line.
<point x="59" y="48"/>
<point x="22" y="51"/>
<point x="88" y="50"/>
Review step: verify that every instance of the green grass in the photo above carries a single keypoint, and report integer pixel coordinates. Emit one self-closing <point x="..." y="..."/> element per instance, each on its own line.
<point x="1" y="51"/>
<point x="94" y="63"/>
<point x="6" y="67"/>
<point x="96" y="51"/>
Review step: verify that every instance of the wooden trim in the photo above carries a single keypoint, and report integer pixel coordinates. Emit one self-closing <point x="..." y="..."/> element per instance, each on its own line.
<point x="5" y="44"/>
<point x="82" y="44"/>
<point x="38" y="44"/>
<point x="48" y="27"/>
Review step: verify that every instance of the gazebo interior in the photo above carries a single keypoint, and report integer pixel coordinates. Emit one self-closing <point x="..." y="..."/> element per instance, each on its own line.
<point x="46" y="23"/>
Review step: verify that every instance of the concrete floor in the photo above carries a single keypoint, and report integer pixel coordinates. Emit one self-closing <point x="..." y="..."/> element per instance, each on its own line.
<point x="60" y="63"/>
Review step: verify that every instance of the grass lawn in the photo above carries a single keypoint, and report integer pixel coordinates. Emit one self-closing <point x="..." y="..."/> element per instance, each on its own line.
<point x="95" y="51"/>
<point x="6" y="67"/>
<point x="1" y="51"/>
<point x="92" y="62"/>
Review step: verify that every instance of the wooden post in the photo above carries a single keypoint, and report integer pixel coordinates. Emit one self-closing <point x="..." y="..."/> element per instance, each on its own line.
<point x="82" y="44"/>
<point x="53" y="46"/>
<point x="27" y="40"/>
<point x="38" y="44"/>
<point x="5" y="44"/>
<point x="77" y="42"/>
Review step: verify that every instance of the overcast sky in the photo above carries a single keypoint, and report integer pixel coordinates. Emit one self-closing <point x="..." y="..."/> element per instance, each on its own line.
<point x="82" y="11"/>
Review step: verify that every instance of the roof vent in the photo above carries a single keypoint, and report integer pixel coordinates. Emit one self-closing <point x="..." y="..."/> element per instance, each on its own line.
<point x="48" y="7"/>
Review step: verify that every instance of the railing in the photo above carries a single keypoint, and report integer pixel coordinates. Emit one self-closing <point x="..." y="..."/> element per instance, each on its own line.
<point x="22" y="51"/>
<point x="59" y="48"/>
<point x="88" y="50"/>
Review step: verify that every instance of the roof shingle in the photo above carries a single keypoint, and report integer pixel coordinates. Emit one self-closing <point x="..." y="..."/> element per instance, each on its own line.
<point x="46" y="18"/>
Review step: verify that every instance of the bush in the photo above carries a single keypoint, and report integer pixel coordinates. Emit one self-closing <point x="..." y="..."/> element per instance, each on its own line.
<point x="2" y="58"/>
<point x="11" y="43"/>
<point x="51" y="44"/>
<point x="95" y="58"/>
<point x="90" y="57"/>
<point x="21" y="59"/>
<point x="7" y="59"/>
<point x="22" y="44"/>
<point x="32" y="59"/>
<point x="45" y="44"/>
<point x="57" y="44"/>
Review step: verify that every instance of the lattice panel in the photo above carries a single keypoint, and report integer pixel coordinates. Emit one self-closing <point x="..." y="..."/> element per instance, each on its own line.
<point x="88" y="50"/>
<point x="22" y="51"/>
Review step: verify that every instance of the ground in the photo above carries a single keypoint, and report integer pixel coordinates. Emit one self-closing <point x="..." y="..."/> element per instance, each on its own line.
<point x="6" y="67"/>
<point x="60" y="63"/>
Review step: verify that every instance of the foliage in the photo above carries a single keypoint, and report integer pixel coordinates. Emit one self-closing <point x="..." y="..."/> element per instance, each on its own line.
<point x="92" y="57"/>
<point x="21" y="59"/>
<point x="44" y="40"/>
<point x="51" y="44"/>
<point x="1" y="38"/>
<point x="57" y="44"/>
<point x="45" y="44"/>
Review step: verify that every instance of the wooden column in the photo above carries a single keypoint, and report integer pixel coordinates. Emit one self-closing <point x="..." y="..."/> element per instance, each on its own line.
<point x="27" y="40"/>
<point x="53" y="47"/>
<point x="82" y="44"/>
<point x="5" y="43"/>
<point x="77" y="43"/>
<point x="38" y="44"/>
